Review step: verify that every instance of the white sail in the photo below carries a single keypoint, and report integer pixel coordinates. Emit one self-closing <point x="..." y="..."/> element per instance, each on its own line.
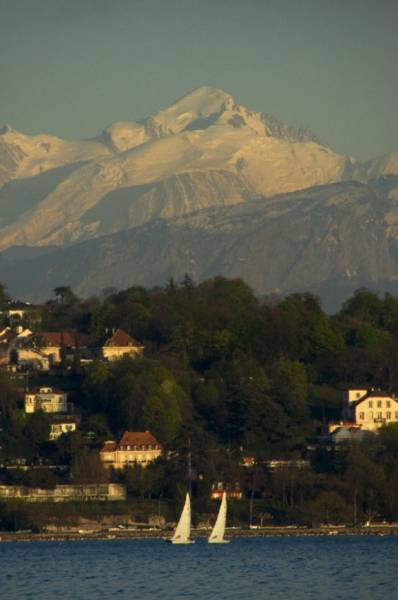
<point x="217" y="534"/>
<point x="183" y="529"/>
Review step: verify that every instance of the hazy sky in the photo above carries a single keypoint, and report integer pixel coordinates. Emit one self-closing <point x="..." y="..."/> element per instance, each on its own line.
<point x="72" y="67"/>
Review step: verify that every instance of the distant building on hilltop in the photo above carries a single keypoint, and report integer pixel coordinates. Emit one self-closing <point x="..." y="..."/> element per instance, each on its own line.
<point x="133" y="448"/>
<point x="16" y="312"/>
<point x="120" y="344"/>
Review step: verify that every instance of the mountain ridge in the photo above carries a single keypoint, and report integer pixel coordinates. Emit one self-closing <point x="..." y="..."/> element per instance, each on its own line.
<point x="186" y="181"/>
<point x="202" y="132"/>
<point x="306" y="240"/>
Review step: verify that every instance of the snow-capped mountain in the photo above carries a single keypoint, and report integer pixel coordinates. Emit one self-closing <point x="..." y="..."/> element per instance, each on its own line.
<point x="204" y="150"/>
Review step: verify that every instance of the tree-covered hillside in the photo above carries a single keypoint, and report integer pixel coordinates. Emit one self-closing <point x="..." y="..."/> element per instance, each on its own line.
<point x="228" y="376"/>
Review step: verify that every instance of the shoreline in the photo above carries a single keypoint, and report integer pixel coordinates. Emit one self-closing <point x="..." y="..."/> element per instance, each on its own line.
<point x="136" y="534"/>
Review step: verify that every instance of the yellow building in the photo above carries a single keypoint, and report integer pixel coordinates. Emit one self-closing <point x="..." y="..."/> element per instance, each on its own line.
<point x="370" y="410"/>
<point x="63" y="424"/>
<point x="120" y="344"/>
<point x="133" y="448"/>
<point x="51" y="343"/>
<point x="46" y="399"/>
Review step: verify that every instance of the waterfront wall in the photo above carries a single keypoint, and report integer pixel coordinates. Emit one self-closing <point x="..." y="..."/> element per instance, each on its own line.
<point x="65" y="493"/>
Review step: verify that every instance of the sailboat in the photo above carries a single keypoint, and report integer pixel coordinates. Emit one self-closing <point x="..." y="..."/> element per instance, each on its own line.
<point x="217" y="534"/>
<point x="183" y="529"/>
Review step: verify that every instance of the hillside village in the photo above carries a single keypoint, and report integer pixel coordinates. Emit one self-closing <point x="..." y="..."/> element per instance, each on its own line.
<point x="111" y="408"/>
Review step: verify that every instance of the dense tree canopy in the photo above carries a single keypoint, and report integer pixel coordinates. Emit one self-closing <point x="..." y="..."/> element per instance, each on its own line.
<point x="230" y="375"/>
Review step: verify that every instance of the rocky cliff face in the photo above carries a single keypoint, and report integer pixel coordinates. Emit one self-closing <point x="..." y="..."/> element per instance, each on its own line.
<point x="330" y="240"/>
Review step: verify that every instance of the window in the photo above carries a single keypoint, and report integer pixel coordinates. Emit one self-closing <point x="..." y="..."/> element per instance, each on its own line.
<point x="379" y="415"/>
<point x="370" y="404"/>
<point x="358" y="394"/>
<point x="362" y="416"/>
<point x="388" y="415"/>
<point x="379" y="404"/>
<point x="396" y="416"/>
<point x="388" y="404"/>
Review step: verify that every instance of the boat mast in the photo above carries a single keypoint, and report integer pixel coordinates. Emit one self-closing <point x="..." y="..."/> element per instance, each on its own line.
<point x="189" y="465"/>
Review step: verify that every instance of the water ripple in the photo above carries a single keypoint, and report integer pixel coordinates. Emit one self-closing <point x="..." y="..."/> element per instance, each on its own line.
<point x="346" y="568"/>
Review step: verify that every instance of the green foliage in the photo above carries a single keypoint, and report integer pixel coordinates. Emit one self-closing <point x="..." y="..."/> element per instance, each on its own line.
<point x="225" y="375"/>
<point x="65" y="295"/>
<point x="137" y="395"/>
<point x="87" y="467"/>
<point x="37" y="429"/>
<point x="145" y="482"/>
<point x="330" y="508"/>
<point x="17" y="515"/>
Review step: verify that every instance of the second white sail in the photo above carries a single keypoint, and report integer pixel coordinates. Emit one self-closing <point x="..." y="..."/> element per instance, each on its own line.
<point x="218" y="532"/>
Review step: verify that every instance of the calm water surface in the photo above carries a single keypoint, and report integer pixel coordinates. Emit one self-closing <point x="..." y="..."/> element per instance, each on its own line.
<point x="318" y="568"/>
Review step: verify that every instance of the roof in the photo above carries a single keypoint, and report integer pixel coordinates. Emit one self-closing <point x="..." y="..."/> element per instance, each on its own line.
<point x="7" y="336"/>
<point x="131" y="438"/>
<point x="36" y="390"/>
<point x="137" y="438"/>
<point x="121" y="339"/>
<point x="374" y="394"/>
<point x="17" y="306"/>
<point x="109" y="446"/>
<point x="68" y="338"/>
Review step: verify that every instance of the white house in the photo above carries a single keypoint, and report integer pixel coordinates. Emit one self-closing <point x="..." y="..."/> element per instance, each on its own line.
<point x="46" y="399"/>
<point x="62" y="424"/>
<point x="370" y="410"/>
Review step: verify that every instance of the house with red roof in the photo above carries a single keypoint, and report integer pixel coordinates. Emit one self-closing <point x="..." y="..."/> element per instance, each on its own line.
<point x="133" y="448"/>
<point x="120" y="344"/>
<point x="51" y="343"/>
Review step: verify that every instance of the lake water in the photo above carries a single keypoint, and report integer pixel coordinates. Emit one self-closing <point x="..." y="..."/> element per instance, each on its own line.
<point x="319" y="568"/>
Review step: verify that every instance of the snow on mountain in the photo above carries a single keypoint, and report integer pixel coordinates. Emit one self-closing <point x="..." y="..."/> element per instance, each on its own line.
<point x="330" y="239"/>
<point x="24" y="156"/>
<point x="204" y="150"/>
<point x="196" y="110"/>
<point x="385" y="165"/>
